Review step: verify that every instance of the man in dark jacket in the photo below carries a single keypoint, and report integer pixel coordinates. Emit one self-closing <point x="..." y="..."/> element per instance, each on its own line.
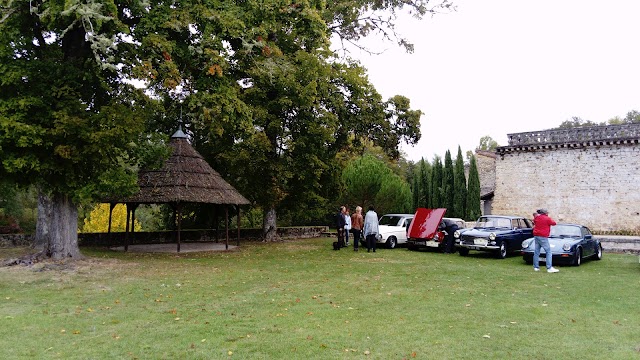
<point x="450" y="229"/>
<point x="340" y="224"/>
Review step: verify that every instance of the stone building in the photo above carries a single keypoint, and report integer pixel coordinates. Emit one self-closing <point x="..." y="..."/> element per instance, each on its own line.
<point x="486" y="163"/>
<point x="586" y="175"/>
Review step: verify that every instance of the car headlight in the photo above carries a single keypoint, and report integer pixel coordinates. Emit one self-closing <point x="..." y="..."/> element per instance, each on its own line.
<point x="527" y="243"/>
<point x="436" y="237"/>
<point x="456" y="234"/>
<point x="566" y="247"/>
<point x="492" y="236"/>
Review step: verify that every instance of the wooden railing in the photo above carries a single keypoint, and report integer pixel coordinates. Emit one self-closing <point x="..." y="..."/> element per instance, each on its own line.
<point x="578" y="134"/>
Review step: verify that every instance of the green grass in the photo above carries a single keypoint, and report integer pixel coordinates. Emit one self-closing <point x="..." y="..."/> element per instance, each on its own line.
<point x="301" y="300"/>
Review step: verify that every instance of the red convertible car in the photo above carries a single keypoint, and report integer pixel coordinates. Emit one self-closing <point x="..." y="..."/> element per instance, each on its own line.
<point x="427" y="229"/>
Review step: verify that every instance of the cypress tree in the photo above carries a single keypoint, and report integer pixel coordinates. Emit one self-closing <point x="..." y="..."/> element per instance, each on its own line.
<point x="436" y="184"/>
<point x="425" y="179"/>
<point x="460" y="188"/>
<point x="473" y="192"/>
<point x="448" y="183"/>
<point x="416" y="190"/>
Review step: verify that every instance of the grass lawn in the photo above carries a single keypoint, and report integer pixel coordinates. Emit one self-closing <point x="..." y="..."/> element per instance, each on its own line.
<point x="302" y="300"/>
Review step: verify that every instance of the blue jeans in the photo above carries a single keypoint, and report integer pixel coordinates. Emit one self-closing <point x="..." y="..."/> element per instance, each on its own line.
<point x="542" y="242"/>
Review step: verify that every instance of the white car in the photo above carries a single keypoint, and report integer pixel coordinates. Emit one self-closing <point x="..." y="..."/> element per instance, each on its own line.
<point x="393" y="228"/>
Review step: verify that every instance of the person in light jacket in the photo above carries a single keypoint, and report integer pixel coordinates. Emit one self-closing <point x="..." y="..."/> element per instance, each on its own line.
<point x="371" y="229"/>
<point x="347" y="227"/>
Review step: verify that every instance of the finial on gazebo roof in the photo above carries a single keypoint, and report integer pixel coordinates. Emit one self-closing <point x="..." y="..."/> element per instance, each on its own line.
<point x="179" y="134"/>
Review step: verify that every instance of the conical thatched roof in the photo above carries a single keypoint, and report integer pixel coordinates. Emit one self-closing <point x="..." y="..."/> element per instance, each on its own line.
<point x="184" y="178"/>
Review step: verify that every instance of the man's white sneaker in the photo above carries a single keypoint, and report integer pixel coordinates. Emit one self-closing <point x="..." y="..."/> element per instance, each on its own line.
<point x="536" y="269"/>
<point x="552" y="270"/>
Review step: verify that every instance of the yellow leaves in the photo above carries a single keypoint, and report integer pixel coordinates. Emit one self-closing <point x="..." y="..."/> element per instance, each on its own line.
<point x="214" y="69"/>
<point x="98" y="220"/>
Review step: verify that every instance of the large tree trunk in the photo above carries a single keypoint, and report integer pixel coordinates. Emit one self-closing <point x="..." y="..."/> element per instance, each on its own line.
<point x="64" y="229"/>
<point x="269" y="225"/>
<point x="42" y="236"/>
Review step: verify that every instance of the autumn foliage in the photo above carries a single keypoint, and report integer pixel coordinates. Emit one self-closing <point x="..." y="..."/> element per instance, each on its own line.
<point x="98" y="219"/>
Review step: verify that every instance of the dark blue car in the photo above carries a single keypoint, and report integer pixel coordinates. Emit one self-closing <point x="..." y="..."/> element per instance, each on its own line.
<point x="495" y="233"/>
<point x="570" y="244"/>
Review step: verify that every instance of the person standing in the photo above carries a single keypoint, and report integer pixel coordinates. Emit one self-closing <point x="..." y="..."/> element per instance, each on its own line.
<point x="450" y="228"/>
<point x="371" y="229"/>
<point x="340" y="224"/>
<point x="347" y="227"/>
<point x="357" y="223"/>
<point x="541" y="230"/>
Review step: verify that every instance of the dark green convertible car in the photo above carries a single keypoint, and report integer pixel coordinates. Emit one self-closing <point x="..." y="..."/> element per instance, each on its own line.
<point x="570" y="244"/>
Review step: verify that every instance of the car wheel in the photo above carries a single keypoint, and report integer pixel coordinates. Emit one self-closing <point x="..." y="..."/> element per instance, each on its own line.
<point x="577" y="258"/>
<point x="463" y="251"/>
<point x="391" y="242"/>
<point x="599" y="252"/>
<point x="528" y="261"/>
<point x="363" y="243"/>
<point x="502" y="252"/>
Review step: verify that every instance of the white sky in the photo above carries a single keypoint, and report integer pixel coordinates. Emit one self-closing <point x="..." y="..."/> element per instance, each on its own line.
<point x="496" y="67"/>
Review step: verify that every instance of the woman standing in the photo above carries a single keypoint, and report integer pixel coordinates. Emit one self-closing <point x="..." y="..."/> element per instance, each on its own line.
<point x="357" y="222"/>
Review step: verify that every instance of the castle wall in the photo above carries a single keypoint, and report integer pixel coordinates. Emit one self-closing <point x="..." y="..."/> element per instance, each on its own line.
<point x="594" y="184"/>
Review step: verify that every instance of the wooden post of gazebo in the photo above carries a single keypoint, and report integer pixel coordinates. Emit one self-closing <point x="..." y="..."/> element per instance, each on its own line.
<point x="126" y="230"/>
<point x="226" y="227"/>
<point x="238" y="221"/>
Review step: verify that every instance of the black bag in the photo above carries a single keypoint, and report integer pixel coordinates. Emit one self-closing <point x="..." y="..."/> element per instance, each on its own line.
<point x="336" y="246"/>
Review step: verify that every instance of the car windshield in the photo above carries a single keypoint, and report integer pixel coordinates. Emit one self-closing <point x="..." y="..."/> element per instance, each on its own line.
<point x="493" y="222"/>
<point x="389" y="220"/>
<point x="565" y="231"/>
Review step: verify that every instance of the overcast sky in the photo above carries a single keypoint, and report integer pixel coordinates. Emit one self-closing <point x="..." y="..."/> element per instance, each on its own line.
<point x="496" y="67"/>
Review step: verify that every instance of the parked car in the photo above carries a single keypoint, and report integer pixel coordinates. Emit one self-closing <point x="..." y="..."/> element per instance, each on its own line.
<point x="427" y="229"/>
<point x="393" y="229"/>
<point x="495" y="233"/>
<point x="570" y="244"/>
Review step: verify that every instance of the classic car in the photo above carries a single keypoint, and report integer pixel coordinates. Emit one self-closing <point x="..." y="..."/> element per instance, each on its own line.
<point x="393" y="229"/>
<point x="495" y="233"/>
<point x="570" y="244"/>
<point x="427" y="229"/>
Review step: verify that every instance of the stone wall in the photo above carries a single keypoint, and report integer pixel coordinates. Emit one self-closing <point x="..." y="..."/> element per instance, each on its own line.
<point x="117" y="238"/>
<point x="15" y="240"/>
<point x="595" y="183"/>
<point x="486" y="163"/>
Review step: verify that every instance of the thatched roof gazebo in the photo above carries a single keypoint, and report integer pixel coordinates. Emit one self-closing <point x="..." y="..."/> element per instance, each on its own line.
<point x="185" y="177"/>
